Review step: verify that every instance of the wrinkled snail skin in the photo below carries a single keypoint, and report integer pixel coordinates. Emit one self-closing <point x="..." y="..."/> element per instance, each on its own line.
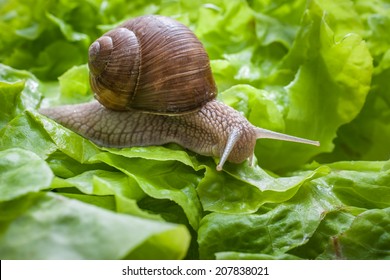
<point x="205" y="131"/>
<point x="152" y="78"/>
<point x="215" y="130"/>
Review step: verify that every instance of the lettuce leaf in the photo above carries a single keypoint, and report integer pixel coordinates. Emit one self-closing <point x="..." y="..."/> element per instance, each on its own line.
<point x="273" y="231"/>
<point x="331" y="74"/>
<point x="19" y="90"/>
<point x="366" y="136"/>
<point x="36" y="173"/>
<point x="367" y="238"/>
<point x="61" y="228"/>
<point x="316" y="69"/>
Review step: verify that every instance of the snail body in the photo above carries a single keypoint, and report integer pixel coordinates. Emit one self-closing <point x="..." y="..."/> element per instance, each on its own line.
<point x="158" y="98"/>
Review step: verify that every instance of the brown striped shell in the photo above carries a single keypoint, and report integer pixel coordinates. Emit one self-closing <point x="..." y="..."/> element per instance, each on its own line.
<point x="151" y="63"/>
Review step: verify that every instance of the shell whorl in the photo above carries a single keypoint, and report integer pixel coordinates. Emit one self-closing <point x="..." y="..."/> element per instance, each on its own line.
<point x="153" y="64"/>
<point x="114" y="64"/>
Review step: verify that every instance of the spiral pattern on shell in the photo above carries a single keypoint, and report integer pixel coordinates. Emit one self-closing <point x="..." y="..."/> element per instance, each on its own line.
<point x="153" y="64"/>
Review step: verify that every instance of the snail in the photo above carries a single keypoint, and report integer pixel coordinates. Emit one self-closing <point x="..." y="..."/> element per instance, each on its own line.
<point x="153" y="85"/>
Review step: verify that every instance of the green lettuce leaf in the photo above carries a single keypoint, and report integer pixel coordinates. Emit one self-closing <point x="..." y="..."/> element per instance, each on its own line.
<point x="270" y="231"/>
<point x="361" y="184"/>
<point x="316" y="69"/>
<point x="365" y="138"/>
<point x="331" y="74"/>
<point x="122" y="189"/>
<point x="367" y="238"/>
<point x="253" y="256"/>
<point x="248" y="188"/>
<point x="22" y="132"/>
<point x="39" y="134"/>
<point x="76" y="79"/>
<point x="333" y="223"/>
<point x="163" y="180"/>
<point x="61" y="228"/>
<point x="36" y="173"/>
<point x="19" y="90"/>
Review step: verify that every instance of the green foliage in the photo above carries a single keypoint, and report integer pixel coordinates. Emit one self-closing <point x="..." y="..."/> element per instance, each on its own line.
<point x="316" y="69"/>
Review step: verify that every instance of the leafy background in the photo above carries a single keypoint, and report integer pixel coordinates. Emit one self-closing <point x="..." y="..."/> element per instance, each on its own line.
<point x="316" y="69"/>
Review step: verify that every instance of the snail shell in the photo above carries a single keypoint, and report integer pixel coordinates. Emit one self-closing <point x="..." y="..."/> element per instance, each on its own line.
<point x="153" y="64"/>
